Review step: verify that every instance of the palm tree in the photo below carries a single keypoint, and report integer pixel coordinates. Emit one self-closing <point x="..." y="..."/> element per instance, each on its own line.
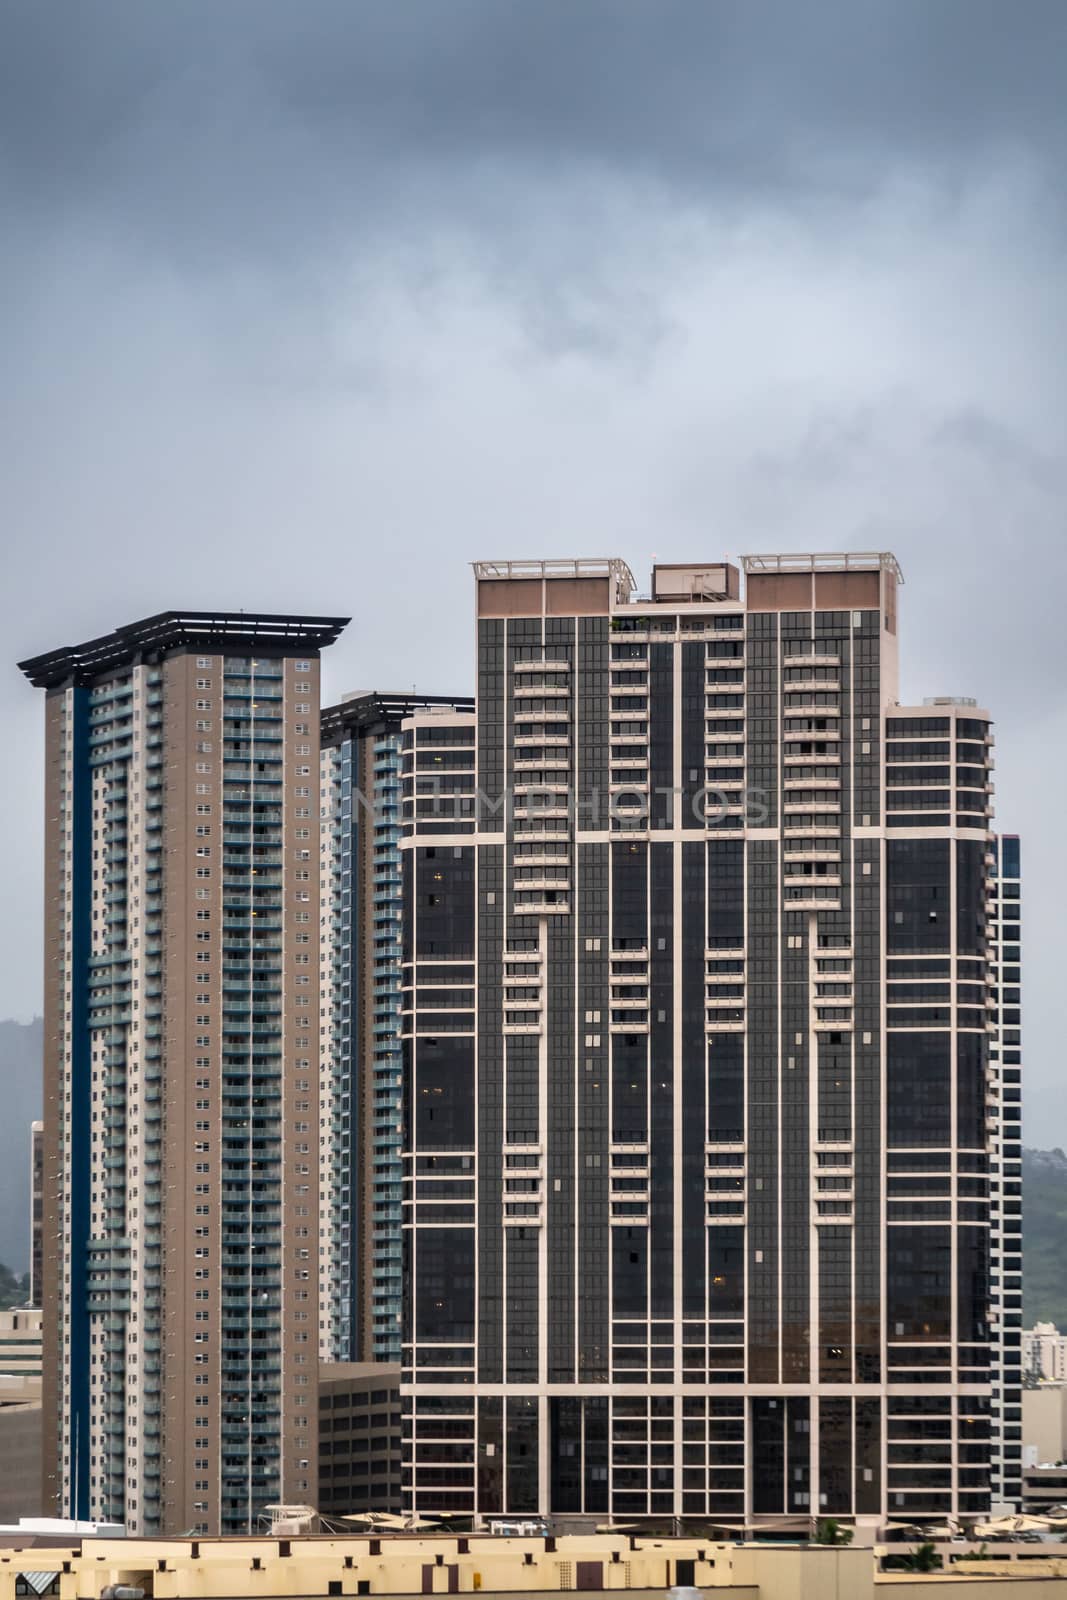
<point x="923" y="1559"/>
<point x="830" y="1531"/>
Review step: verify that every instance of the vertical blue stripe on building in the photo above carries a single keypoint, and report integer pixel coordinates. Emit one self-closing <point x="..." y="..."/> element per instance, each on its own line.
<point x="80" y="800"/>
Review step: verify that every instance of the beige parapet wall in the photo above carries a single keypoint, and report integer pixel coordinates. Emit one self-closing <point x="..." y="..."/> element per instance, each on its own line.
<point x="407" y="1565"/>
<point x="312" y="1566"/>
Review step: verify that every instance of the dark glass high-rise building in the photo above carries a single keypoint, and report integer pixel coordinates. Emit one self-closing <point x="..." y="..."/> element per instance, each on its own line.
<point x="1005" y="1168"/>
<point x="360" y="1287"/>
<point x="36" y="1211"/>
<point x="696" y="970"/>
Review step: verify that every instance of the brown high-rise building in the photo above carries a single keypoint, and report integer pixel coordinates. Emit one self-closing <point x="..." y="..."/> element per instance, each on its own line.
<point x="180" y="1197"/>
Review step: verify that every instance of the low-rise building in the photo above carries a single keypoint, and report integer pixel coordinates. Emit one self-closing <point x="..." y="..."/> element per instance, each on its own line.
<point x="20" y="1342"/>
<point x="20" y="1446"/>
<point x="359" y="1437"/>
<point x="20" y="1413"/>
<point x="408" y="1564"/>
<point x="1044" y="1425"/>
<point x="1044" y="1486"/>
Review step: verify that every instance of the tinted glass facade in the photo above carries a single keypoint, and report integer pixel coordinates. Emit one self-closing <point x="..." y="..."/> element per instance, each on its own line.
<point x="696" y="1154"/>
<point x="360" y="992"/>
<point x="359" y="1438"/>
<point x="1005" y="1169"/>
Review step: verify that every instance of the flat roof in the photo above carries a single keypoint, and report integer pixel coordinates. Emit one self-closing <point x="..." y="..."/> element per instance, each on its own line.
<point x="172" y="630"/>
<point x="556" y="567"/>
<point x="825" y="561"/>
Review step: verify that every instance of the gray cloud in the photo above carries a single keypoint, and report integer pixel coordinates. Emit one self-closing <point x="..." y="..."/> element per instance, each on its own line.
<point x="310" y="306"/>
<point x="218" y="129"/>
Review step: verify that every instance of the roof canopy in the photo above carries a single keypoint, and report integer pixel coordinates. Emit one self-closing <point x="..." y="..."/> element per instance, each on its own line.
<point x="265" y="632"/>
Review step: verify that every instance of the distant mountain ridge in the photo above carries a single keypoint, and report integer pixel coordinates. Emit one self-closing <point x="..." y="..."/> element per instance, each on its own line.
<point x="21" y="1045"/>
<point x="1046" y="1161"/>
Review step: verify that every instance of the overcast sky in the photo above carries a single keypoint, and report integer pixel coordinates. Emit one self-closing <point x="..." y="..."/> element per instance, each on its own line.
<point x="306" y="306"/>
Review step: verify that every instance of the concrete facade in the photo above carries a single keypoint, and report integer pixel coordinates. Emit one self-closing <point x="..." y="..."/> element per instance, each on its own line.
<point x="180" y="1164"/>
<point x="1044" y="1425"/>
<point x="21" y="1343"/>
<point x="20" y="1433"/>
<point x="1044" y="1352"/>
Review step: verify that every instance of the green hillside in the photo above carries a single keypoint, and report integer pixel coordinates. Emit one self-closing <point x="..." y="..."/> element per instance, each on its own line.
<point x="1044" y="1237"/>
<point x="13" y="1290"/>
<point x="20" y="1101"/>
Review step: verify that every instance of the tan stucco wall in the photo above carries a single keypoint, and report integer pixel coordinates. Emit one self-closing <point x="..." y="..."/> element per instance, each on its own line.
<point x="1045" y="1422"/>
<point x="494" y="1567"/>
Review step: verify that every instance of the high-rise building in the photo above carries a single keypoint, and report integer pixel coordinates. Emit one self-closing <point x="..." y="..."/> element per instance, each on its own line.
<point x="696" y="1190"/>
<point x="36" y="1210"/>
<point x="360" y="998"/>
<point x="1044" y="1358"/>
<point x="1006" y="1170"/>
<point x="180" y="1267"/>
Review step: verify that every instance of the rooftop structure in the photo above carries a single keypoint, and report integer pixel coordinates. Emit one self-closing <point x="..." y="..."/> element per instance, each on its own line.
<point x="147" y="640"/>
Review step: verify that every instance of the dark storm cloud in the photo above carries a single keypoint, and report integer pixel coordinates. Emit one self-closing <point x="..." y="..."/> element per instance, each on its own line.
<point x="217" y="128"/>
<point x="306" y="305"/>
